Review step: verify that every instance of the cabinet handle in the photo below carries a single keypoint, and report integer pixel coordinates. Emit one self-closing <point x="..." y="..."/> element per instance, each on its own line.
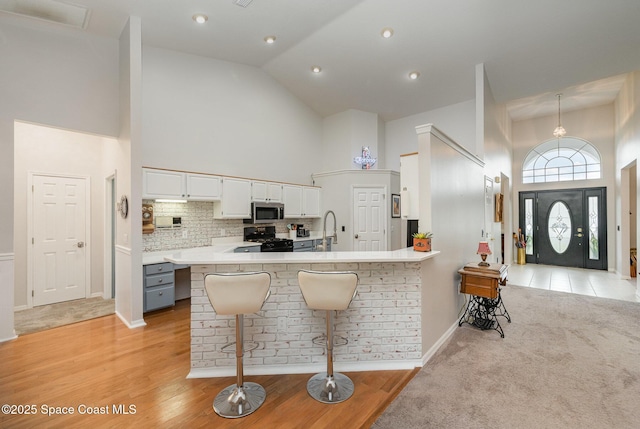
<point x="160" y="293"/>
<point x="160" y="268"/>
<point x="159" y="280"/>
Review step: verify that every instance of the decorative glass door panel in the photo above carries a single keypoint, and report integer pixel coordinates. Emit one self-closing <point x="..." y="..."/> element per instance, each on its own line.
<point x="559" y="224"/>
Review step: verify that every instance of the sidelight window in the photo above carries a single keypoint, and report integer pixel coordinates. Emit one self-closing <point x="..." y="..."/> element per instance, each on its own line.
<point x="594" y="252"/>
<point x="564" y="159"/>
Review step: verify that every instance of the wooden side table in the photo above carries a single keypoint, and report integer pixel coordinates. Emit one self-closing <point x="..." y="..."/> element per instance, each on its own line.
<point x="483" y="284"/>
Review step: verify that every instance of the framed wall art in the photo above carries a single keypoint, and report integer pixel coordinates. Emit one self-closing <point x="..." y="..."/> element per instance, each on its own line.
<point x="395" y="205"/>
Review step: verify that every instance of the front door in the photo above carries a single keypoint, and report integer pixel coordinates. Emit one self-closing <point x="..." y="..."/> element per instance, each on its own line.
<point x="59" y="256"/>
<point x="369" y="219"/>
<point x="565" y="227"/>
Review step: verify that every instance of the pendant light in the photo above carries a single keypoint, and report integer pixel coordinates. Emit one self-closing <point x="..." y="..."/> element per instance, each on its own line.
<point x="559" y="131"/>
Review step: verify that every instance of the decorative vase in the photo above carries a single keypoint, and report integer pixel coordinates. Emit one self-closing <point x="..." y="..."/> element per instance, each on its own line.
<point x="422" y="244"/>
<point x="521" y="256"/>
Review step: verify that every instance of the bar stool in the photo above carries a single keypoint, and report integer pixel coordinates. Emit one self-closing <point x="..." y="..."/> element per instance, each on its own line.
<point x="238" y="294"/>
<point x="329" y="291"/>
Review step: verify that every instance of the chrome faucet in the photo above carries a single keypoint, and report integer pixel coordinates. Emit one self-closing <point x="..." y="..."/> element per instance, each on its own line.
<point x="323" y="247"/>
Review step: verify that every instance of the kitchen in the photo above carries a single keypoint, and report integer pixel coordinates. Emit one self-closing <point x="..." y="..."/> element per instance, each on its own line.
<point x="190" y="210"/>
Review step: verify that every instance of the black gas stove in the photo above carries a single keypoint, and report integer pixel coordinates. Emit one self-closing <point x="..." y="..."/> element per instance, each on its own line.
<point x="267" y="236"/>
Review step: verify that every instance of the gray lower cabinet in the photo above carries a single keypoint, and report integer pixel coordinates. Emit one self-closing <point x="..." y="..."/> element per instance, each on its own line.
<point x="303" y="246"/>
<point x="247" y="249"/>
<point x="159" y="286"/>
<point x="309" y="245"/>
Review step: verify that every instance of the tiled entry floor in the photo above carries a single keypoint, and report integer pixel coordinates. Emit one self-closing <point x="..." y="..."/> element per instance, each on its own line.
<point x="598" y="283"/>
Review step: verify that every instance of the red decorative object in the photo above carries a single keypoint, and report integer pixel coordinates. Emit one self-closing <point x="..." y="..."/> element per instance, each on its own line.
<point x="483" y="251"/>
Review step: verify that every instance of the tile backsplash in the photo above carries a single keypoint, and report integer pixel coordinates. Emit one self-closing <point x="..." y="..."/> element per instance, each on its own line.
<point x="198" y="226"/>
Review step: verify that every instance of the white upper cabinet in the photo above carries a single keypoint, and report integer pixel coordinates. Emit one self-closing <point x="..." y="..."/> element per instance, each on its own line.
<point x="310" y="201"/>
<point x="163" y="184"/>
<point x="292" y="199"/>
<point x="202" y="187"/>
<point x="301" y="201"/>
<point x="236" y="199"/>
<point x="266" y="191"/>
<point x="232" y="196"/>
<point x="179" y="185"/>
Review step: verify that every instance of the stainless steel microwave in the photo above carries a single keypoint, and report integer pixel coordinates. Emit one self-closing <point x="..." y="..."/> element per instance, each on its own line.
<point x="266" y="212"/>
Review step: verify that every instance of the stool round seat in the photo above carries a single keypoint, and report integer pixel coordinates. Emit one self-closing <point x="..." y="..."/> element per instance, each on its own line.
<point x="330" y="291"/>
<point x="238" y="294"/>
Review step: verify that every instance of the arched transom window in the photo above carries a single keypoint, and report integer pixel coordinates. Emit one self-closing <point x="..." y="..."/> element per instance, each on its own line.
<point x="558" y="160"/>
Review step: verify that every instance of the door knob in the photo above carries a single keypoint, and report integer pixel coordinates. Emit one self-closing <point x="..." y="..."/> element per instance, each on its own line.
<point x="80" y="244"/>
<point x="356" y="235"/>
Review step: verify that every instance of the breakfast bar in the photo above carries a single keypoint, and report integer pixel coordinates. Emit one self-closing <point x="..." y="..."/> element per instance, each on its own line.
<point x="383" y="324"/>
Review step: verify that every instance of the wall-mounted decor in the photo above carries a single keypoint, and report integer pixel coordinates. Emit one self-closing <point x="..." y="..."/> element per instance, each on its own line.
<point x="498" y="208"/>
<point x="366" y="161"/>
<point x="395" y="205"/>
<point x="147" y="219"/>
<point x="123" y="206"/>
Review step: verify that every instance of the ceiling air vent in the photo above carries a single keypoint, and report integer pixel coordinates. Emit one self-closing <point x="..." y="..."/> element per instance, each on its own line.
<point x="243" y="3"/>
<point x="48" y="10"/>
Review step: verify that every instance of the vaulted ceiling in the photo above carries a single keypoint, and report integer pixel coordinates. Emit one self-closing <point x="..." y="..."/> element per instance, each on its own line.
<point x="530" y="49"/>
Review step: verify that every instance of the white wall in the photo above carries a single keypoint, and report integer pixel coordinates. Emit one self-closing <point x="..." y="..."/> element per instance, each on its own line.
<point x="451" y="182"/>
<point x="494" y="125"/>
<point x="627" y="152"/>
<point x="63" y="78"/>
<point x="211" y="116"/>
<point x="46" y="150"/>
<point x="337" y="191"/>
<point x="595" y="125"/>
<point x="128" y="259"/>
<point x="344" y="134"/>
<point x="456" y="121"/>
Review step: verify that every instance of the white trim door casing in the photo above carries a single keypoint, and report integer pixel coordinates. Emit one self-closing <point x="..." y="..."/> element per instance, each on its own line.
<point x="59" y="259"/>
<point x="369" y="218"/>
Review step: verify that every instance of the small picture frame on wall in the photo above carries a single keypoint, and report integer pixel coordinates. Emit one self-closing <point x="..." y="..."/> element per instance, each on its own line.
<point x="395" y="205"/>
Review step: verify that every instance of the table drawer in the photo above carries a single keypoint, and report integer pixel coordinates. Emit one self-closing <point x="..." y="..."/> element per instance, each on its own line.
<point x="158" y="279"/>
<point x="158" y="268"/>
<point x="480" y="286"/>
<point x="159" y="297"/>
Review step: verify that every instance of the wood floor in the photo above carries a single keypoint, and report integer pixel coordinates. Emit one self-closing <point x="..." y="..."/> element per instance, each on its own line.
<point x="103" y="366"/>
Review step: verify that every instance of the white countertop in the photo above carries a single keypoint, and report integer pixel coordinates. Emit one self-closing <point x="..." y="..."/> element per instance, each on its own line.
<point x="212" y="256"/>
<point x="220" y="245"/>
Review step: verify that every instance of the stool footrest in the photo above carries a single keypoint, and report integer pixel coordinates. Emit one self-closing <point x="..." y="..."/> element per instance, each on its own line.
<point x="321" y="340"/>
<point x="249" y="346"/>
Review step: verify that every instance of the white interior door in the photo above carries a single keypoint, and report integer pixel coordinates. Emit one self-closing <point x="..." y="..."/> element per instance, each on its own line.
<point x="59" y="263"/>
<point x="369" y="219"/>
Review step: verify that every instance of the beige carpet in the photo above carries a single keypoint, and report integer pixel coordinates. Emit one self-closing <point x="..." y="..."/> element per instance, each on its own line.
<point x="63" y="313"/>
<point x="567" y="361"/>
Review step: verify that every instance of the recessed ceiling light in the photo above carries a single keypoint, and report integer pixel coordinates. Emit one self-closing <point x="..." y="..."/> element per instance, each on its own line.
<point x="316" y="69"/>
<point x="200" y="18"/>
<point x="386" y="32"/>
<point x="414" y="75"/>
<point x="270" y="39"/>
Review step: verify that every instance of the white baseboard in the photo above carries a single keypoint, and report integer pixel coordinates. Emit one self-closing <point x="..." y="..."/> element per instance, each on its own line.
<point x="20" y="307"/>
<point x="305" y="368"/>
<point x="133" y="325"/>
<point x="432" y="351"/>
<point x="2" y="340"/>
